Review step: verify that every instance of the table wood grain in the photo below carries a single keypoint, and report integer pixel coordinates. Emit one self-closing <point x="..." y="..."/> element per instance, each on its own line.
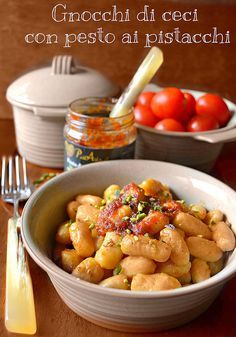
<point x="54" y="319"/>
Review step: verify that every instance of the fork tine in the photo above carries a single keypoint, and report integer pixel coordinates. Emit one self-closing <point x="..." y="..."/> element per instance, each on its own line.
<point x="3" y="175"/>
<point x="25" y="177"/>
<point x="10" y="175"/>
<point x="17" y="168"/>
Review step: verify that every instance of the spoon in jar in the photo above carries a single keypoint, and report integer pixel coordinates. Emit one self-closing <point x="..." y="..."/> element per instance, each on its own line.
<point x="142" y="77"/>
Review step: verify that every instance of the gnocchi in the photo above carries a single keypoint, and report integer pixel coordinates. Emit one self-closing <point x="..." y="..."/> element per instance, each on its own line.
<point x="111" y="193"/>
<point x="70" y="259"/>
<point x="82" y="239"/>
<point x="172" y="269"/>
<point x="63" y="233"/>
<point x="200" y="270"/>
<point x="110" y="253"/>
<point x="204" y="249"/>
<point x="87" y="214"/>
<point x="223" y="236"/>
<point x="159" y="281"/>
<point x="132" y="265"/>
<point x="179" y="249"/>
<point x="72" y="209"/>
<point x="145" y="246"/>
<point x="117" y="281"/>
<point x="89" y="270"/>
<point x="88" y="199"/>
<point x="138" y="238"/>
<point x="192" y="225"/>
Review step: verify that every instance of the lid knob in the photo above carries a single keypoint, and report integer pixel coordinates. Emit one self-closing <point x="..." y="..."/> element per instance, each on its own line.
<point x="62" y="65"/>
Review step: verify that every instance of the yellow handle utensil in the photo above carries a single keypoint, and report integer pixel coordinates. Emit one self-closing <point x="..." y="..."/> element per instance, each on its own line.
<point x="19" y="306"/>
<point x="142" y="77"/>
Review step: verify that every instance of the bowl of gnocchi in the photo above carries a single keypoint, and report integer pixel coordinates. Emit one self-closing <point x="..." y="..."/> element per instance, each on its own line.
<point x="134" y="245"/>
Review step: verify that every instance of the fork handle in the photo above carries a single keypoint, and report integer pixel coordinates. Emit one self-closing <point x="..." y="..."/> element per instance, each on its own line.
<point x="19" y="304"/>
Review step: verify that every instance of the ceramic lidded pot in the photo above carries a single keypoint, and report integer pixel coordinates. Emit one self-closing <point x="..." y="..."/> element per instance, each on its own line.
<point x="40" y="100"/>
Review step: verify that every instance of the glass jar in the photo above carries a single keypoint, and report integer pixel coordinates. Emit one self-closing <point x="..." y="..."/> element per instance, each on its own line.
<point x="92" y="136"/>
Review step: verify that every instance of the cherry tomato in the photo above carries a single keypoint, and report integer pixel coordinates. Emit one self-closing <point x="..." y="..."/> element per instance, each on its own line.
<point x="189" y="109"/>
<point x="171" y="207"/>
<point x="202" y="123"/>
<point x="214" y="105"/>
<point x="145" y="98"/>
<point x="143" y="115"/>
<point x="169" y="124"/>
<point x="168" y="103"/>
<point x="153" y="223"/>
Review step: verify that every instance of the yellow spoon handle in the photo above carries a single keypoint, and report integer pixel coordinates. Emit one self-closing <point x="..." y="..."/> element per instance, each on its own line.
<point x="142" y="77"/>
<point x="19" y="305"/>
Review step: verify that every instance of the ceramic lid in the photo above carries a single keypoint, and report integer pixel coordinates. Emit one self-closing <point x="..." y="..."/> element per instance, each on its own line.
<point x="58" y="85"/>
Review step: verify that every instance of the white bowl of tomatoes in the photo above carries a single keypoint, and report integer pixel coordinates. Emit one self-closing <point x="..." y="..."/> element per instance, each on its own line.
<point x="183" y="126"/>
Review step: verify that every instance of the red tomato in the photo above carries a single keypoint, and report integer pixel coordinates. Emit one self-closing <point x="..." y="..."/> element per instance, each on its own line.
<point x="143" y="115"/>
<point x="214" y="105"/>
<point x="168" y="103"/>
<point x="169" y="124"/>
<point x="202" y="123"/>
<point x="145" y="98"/>
<point x="189" y="109"/>
<point x="153" y="223"/>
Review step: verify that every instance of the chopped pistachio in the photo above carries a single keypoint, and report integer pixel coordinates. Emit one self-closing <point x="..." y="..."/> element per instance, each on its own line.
<point x="126" y="281"/>
<point x="141" y="206"/>
<point x="103" y="202"/>
<point x="157" y="208"/>
<point x="117" y="270"/>
<point x="44" y="177"/>
<point x="102" y="208"/>
<point x="128" y="231"/>
<point x="69" y="223"/>
<point x="128" y="198"/>
<point x="135" y="238"/>
<point x="146" y="235"/>
<point x="141" y="216"/>
<point x="181" y="201"/>
<point x="92" y="226"/>
<point x="125" y="218"/>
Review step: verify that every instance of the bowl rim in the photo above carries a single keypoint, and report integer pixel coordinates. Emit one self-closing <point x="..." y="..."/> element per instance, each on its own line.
<point x="58" y="273"/>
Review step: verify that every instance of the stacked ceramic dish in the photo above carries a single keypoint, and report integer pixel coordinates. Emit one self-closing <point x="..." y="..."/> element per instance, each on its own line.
<point x="40" y="99"/>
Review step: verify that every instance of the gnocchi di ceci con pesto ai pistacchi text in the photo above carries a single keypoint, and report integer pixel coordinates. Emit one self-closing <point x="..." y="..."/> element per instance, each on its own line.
<point x="140" y="238"/>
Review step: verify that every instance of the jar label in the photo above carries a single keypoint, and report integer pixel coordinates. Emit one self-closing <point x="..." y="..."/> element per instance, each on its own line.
<point x="78" y="155"/>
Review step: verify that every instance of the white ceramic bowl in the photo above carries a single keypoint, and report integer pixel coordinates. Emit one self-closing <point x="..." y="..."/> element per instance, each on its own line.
<point x="120" y="309"/>
<point x="199" y="150"/>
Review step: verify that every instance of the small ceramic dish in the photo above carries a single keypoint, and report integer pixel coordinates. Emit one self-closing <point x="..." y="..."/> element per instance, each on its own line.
<point x="121" y="309"/>
<point x="198" y="150"/>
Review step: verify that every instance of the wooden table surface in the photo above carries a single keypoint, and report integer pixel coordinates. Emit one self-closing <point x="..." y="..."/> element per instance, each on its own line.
<point x="54" y="319"/>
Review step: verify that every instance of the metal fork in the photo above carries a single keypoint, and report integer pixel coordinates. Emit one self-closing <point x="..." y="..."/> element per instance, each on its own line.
<point x="19" y="303"/>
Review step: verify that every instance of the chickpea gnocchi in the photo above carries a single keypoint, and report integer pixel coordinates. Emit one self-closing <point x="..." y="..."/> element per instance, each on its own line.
<point x="139" y="238"/>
